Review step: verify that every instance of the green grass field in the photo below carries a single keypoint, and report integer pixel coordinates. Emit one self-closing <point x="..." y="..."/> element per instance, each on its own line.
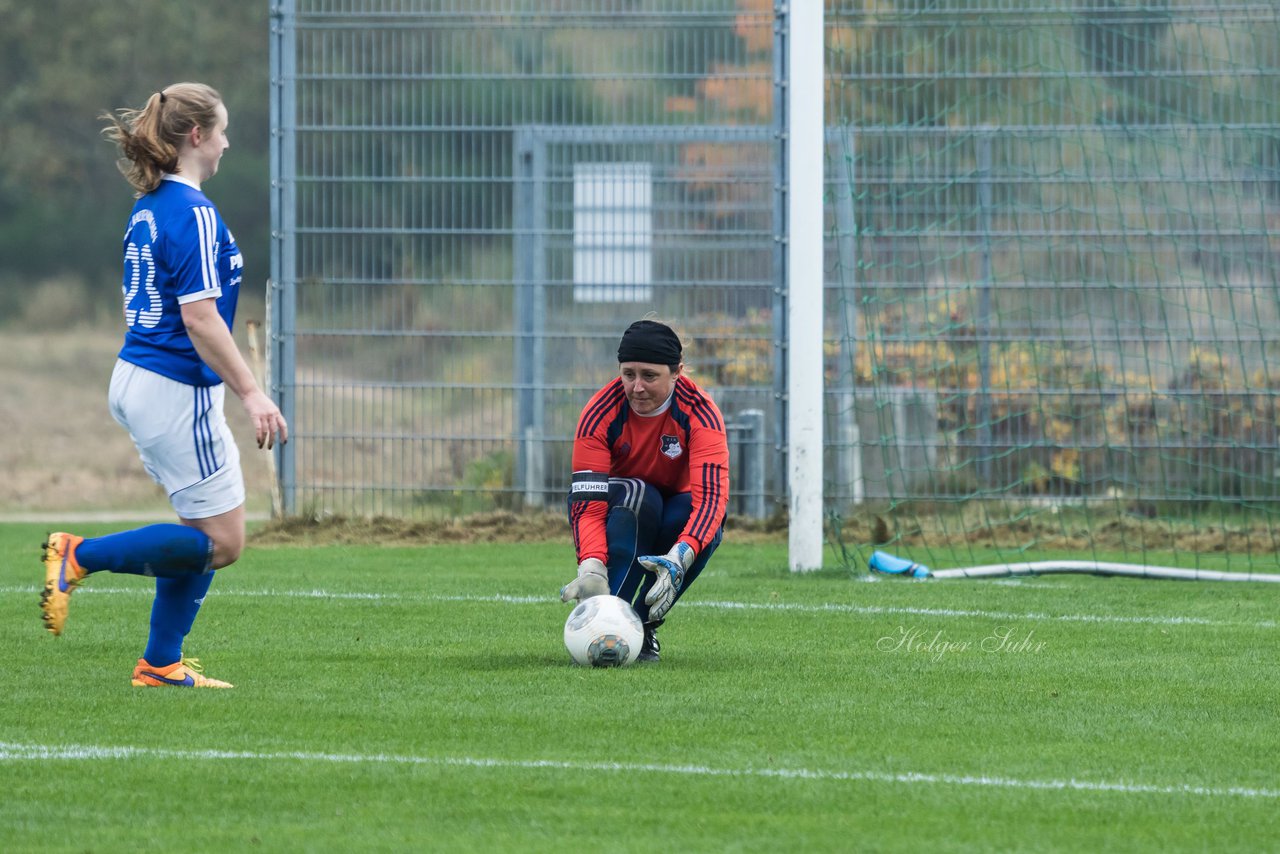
<point x="420" y="699"/>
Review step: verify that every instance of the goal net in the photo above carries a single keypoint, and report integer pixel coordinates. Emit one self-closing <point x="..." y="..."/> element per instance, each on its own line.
<point x="1053" y="258"/>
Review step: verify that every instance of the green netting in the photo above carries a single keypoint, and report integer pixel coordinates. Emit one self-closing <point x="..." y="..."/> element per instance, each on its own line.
<point x="1052" y="301"/>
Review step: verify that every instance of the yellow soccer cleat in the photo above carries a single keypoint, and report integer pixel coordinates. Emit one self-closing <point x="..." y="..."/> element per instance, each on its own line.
<point x="186" y="673"/>
<point x="61" y="577"/>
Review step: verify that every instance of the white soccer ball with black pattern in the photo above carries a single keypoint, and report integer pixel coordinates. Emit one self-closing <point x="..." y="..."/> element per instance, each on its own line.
<point x="603" y="631"/>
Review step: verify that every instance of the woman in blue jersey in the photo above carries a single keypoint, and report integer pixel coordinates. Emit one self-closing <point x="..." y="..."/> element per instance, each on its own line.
<point x="182" y="276"/>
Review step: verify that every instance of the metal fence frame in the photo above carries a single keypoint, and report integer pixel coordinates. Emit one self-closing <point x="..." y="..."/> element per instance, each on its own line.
<point x="530" y="308"/>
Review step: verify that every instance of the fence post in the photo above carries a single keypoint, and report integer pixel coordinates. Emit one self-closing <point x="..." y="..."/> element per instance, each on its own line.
<point x="281" y="295"/>
<point x="749" y="447"/>
<point x="529" y="228"/>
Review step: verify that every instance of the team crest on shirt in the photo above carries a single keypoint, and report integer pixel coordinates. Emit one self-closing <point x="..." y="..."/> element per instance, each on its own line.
<point x="671" y="446"/>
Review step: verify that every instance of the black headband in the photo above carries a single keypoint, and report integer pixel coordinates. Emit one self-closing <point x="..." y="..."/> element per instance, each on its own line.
<point x="649" y="341"/>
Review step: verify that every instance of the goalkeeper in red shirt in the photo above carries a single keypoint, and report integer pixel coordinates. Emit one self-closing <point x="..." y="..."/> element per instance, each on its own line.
<point x="650" y="481"/>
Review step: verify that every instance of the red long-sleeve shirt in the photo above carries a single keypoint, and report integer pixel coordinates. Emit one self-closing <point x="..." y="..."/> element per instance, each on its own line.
<point x="684" y="449"/>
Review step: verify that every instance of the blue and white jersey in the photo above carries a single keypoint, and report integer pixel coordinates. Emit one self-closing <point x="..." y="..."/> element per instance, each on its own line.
<point x="176" y="250"/>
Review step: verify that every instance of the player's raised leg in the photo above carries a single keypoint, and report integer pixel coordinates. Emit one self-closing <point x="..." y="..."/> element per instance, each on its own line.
<point x="161" y="551"/>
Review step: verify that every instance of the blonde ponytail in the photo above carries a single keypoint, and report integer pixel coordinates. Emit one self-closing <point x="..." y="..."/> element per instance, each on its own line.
<point x="150" y="138"/>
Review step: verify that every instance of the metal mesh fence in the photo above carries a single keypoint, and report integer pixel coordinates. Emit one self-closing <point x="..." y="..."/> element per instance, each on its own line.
<point x="1051" y="245"/>
<point x="1056" y="248"/>
<point x="1056" y="229"/>
<point x="475" y="200"/>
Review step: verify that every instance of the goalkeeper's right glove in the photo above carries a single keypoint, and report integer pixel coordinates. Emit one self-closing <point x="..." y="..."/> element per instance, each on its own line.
<point x="592" y="580"/>
<point x="668" y="578"/>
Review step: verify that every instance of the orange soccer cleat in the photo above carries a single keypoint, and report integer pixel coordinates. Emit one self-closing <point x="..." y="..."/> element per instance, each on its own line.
<point x="61" y="577"/>
<point x="186" y="673"/>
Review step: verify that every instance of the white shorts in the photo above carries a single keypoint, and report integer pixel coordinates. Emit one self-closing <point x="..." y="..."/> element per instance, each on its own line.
<point x="182" y="437"/>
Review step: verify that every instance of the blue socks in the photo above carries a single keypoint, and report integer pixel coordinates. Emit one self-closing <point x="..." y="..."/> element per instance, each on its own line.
<point x="163" y="551"/>
<point x="179" y="557"/>
<point x="178" y="600"/>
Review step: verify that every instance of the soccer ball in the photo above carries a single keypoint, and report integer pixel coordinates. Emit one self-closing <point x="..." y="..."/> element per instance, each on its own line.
<point x="603" y="631"/>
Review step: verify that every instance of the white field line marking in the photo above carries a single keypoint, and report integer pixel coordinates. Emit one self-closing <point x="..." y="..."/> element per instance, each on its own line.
<point x="145" y="590"/>
<point x="873" y="610"/>
<point x="12" y="752"/>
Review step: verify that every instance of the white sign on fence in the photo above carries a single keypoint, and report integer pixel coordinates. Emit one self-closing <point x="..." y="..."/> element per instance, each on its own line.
<point x="612" y="232"/>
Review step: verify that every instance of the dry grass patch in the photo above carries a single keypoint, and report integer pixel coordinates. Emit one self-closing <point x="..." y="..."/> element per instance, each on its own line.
<point x="63" y="452"/>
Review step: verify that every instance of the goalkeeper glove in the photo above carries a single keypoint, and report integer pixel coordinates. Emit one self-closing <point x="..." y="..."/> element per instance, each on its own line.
<point x="592" y="580"/>
<point x="669" y="570"/>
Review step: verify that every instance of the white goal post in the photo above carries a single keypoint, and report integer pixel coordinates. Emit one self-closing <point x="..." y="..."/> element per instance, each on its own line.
<point x="805" y="125"/>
